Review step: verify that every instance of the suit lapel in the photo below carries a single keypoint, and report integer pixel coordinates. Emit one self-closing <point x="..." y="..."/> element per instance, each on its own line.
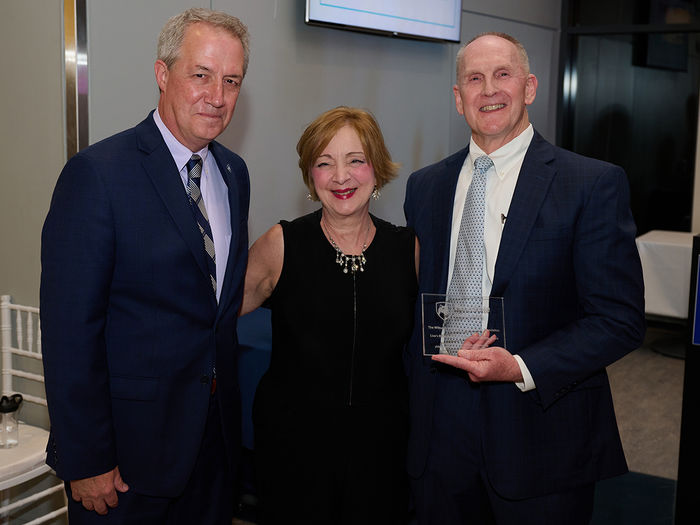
<point x="531" y="189"/>
<point x="234" y="199"/>
<point x="160" y="167"/>
<point x="443" y="204"/>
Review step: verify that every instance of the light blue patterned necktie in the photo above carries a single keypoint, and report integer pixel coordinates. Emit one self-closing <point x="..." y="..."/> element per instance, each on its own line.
<point x="467" y="274"/>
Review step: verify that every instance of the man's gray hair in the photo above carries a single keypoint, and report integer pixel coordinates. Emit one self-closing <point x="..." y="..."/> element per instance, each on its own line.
<point x="173" y="32"/>
<point x="524" y="60"/>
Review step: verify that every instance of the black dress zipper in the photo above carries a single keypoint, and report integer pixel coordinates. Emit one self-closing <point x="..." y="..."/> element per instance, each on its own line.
<point x="354" y="336"/>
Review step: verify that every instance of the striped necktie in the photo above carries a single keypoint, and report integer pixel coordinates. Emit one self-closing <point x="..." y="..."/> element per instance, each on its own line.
<point x="194" y="175"/>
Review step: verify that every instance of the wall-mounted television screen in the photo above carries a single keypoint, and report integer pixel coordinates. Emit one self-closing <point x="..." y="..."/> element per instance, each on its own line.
<point x="428" y="20"/>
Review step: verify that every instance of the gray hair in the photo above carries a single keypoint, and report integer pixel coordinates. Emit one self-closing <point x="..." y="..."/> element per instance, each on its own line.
<point x="524" y="60"/>
<point x="173" y="32"/>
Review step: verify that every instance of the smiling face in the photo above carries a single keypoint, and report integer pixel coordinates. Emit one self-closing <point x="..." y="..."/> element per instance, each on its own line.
<point x="199" y="91"/>
<point x="493" y="91"/>
<point x="342" y="176"/>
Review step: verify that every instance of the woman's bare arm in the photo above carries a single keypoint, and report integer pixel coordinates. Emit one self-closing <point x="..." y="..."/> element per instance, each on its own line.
<point x="265" y="260"/>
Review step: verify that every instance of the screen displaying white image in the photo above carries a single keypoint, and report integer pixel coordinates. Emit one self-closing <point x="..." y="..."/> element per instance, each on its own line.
<point x="437" y="19"/>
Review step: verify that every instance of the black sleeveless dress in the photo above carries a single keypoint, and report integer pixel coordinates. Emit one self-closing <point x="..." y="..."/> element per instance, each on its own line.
<point x="330" y="414"/>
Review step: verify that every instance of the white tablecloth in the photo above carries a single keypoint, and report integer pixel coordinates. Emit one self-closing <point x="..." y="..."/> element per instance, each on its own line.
<point x="666" y="260"/>
<point x="27" y="459"/>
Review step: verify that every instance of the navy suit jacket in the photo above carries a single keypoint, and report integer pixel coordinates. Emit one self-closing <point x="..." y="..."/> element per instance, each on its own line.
<point x="131" y="328"/>
<point x="569" y="273"/>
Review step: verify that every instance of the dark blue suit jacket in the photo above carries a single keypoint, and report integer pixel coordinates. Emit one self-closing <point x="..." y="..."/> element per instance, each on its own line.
<point x="131" y="329"/>
<point x="569" y="273"/>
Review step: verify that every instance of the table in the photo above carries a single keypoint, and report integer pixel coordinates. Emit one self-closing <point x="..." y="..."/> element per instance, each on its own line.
<point x="26" y="460"/>
<point x="666" y="259"/>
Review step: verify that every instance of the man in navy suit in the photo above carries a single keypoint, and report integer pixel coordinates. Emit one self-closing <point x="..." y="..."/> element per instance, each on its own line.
<point x="140" y="288"/>
<point x="520" y="434"/>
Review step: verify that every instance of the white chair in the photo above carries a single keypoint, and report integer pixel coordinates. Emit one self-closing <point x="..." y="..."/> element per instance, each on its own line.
<point x="21" y="343"/>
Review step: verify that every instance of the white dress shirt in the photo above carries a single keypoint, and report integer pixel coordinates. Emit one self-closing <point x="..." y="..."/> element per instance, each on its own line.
<point x="500" y="186"/>
<point x="214" y="193"/>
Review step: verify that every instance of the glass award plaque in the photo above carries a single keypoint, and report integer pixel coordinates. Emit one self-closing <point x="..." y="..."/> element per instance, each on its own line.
<point x="444" y="321"/>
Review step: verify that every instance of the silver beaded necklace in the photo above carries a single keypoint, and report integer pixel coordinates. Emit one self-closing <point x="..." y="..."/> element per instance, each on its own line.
<point x="349" y="263"/>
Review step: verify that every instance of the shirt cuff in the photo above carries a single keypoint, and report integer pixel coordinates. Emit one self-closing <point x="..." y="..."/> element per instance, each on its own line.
<point x="528" y="383"/>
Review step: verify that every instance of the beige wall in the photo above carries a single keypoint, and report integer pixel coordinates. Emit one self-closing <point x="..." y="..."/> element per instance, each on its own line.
<point x="31" y="157"/>
<point x="31" y="132"/>
<point x="296" y="72"/>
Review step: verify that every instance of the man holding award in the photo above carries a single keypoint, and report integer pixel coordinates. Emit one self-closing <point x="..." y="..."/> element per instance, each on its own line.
<point x="536" y="244"/>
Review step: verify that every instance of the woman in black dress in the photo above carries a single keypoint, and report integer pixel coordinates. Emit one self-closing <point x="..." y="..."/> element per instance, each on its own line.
<point x="330" y="414"/>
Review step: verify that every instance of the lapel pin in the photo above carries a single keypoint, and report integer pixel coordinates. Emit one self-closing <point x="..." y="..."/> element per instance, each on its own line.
<point x="228" y="168"/>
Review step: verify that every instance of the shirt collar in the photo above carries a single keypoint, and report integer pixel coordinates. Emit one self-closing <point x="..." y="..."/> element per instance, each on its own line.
<point x="507" y="156"/>
<point x="181" y="154"/>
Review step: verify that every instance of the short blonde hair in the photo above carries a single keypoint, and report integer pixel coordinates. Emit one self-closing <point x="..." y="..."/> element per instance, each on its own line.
<point x="173" y="32"/>
<point x="524" y="60"/>
<point x="321" y="131"/>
